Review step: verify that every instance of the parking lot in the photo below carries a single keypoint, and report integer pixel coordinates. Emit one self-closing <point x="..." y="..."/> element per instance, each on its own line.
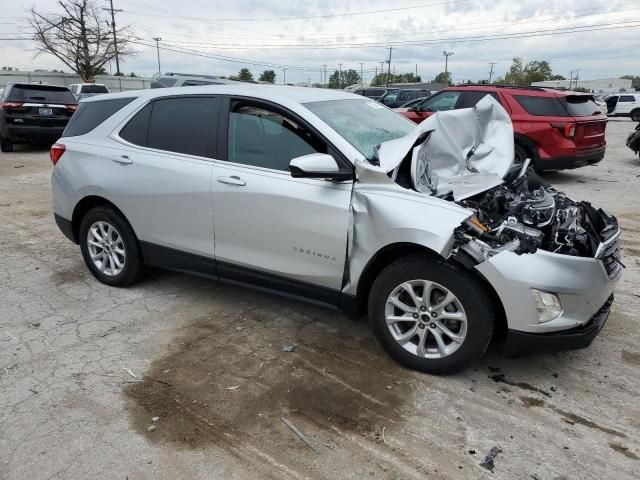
<point x="85" y="369"/>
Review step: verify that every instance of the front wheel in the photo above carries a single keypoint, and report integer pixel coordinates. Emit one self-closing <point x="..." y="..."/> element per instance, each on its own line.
<point x="635" y="115"/>
<point x="431" y="316"/>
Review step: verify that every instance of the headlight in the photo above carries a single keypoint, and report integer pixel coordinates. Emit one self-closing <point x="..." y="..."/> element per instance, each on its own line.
<point x="548" y="305"/>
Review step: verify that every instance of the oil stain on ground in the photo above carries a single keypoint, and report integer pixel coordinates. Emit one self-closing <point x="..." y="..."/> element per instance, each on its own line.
<point x="227" y="382"/>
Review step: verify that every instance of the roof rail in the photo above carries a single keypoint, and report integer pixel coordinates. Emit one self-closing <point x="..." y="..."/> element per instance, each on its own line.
<point x="522" y="87"/>
<point x="174" y="74"/>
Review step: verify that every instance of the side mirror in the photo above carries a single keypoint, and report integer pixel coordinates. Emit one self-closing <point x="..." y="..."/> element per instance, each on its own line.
<point x="318" y="165"/>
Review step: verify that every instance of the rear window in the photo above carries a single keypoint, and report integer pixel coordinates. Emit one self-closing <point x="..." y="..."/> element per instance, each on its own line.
<point x="91" y="114"/>
<point x="581" y="106"/>
<point x="542" y="106"/>
<point x="41" y="93"/>
<point x="94" y="89"/>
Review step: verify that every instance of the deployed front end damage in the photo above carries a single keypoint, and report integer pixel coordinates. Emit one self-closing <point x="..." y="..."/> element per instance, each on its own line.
<point x="552" y="261"/>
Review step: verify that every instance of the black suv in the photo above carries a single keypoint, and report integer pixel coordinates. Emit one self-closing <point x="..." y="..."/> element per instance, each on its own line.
<point x="397" y="98"/>
<point x="34" y="113"/>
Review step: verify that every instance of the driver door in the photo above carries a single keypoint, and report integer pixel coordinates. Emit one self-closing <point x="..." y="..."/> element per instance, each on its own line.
<point x="271" y="229"/>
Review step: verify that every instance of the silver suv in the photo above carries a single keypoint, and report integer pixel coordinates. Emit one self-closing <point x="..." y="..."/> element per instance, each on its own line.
<point x="333" y="198"/>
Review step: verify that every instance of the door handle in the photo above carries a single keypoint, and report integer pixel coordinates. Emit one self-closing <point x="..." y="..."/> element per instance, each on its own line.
<point x="122" y="160"/>
<point x="232" y="180"/>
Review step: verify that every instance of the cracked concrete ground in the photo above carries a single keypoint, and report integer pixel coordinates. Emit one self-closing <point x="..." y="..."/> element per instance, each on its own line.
<point x="208" y="364"/>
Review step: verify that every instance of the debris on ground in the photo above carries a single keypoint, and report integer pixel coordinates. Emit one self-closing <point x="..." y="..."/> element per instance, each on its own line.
<point x="488" y="462"/>
<point x="128" y="370"/>
<point x="232" y="388"/>
<point x="151" y="428"/>
<point x="155" y="419"/>
<point x="297" y="431"/>
<point x="288" y="348"/>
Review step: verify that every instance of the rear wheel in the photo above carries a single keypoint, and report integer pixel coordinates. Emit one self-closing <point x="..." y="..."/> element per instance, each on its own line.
<point x="110" y="248"/>
<point x="430" y="316"/>
<point x="520" y="154"/>
<point x="635" y="115"/>
<point x="6" y="145"/>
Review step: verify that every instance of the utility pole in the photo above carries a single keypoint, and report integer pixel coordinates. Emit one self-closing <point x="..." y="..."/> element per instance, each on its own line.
<point x="446" y="65"/>
<point x="361" y="74"/>
<point x="416" y="72"/>
<point x="570" y="79"/>
<point x="389" y="66"/>
<point x="157" y="39"/>
<point x="340" y="76"/>
<point x="324" y="81"/>
<point x="113" y="28"/>
<point x="284" y="75"/>
<point x="577" y="76"/>
<point x="493" y="64"/>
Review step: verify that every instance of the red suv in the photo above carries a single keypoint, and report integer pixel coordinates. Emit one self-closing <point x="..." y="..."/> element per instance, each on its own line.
<point x="556" y="129"/>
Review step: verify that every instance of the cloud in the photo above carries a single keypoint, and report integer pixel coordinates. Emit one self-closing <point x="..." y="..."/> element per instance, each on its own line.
<point x="199" y="25"/>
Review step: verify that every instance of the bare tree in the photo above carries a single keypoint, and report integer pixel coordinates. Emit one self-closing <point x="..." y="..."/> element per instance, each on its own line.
<point x="80" y="36"/>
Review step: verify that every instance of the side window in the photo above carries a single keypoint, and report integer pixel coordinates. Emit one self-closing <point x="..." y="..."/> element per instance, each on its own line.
<point x="627" y="98"/>
<point x="264" y="138"/>
<point x="542" y="106"/>
<point x="91" y="114"/>
<point x="183" y="124"/>
<point x="442" y="101"/>
<point x="137" y="129"/>
<point x="404" y="96"/>
<point x="471" y="99"/>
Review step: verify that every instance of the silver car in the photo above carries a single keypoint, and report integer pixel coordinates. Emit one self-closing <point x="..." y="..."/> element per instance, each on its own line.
<point x="330" y="197"/>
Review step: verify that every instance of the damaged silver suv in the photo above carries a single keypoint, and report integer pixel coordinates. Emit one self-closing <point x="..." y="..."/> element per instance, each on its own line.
<point x="333" y="198"/>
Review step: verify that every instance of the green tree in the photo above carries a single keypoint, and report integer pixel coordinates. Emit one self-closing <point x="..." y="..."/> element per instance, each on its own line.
<point x="244" y="75"/>
<point x="381" y="79"/>
<point x="537" y="71"/>
<point x="268" y="76"/>
<point x="557" y="77"/>
<point x="444" y="78"/>
<point x="132" y="74"/>
<point x="348" y="77"/>
<point x="515" y="75"/>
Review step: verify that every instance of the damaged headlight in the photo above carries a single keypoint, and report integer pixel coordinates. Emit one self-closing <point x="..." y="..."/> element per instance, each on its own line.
<point x="548" y="305"/>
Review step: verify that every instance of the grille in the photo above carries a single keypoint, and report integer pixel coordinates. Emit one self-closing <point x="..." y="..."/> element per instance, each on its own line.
<point x="611" y="259"/>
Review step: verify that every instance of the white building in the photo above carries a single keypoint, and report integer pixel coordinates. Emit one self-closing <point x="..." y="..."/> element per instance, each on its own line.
<point x="603" y="85"/>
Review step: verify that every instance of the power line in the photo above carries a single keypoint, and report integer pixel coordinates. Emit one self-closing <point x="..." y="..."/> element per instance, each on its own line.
<point x="305" y="17"/>
<point x="429" y="41"/>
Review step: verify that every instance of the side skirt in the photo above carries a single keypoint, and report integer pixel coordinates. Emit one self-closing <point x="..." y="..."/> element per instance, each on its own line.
<point x="179" y="261"/>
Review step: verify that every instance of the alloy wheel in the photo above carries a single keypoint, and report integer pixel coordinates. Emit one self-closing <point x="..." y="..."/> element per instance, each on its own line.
<point x="426" y="319"/>
<point x="106" y="248"/>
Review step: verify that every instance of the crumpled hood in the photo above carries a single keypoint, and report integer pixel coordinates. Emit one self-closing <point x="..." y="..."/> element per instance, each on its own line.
<point x="464" y="151"/>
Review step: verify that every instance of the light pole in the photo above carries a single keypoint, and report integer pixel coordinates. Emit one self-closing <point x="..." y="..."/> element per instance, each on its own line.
<point x="389" y="66"/>
<point x="324" y="76"/>
<point x="157" y="39"/>
<point x="340" y="77"/>
<point x="446" y="65"/>
<point x="361" y="74"/>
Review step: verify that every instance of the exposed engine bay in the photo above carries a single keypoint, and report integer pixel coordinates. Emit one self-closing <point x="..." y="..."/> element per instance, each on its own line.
<point x="525" y="214"/>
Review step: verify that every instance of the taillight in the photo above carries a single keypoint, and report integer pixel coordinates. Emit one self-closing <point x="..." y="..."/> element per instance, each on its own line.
<point x="8" y="105"/>
<point x="72" y="108"/>
<point x="567" y="129"/>
<point x="57" y="149"/>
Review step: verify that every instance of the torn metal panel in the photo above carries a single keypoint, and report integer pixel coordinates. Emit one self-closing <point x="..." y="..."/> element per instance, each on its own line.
<point x="383" y="213"/>
<point x="463" y="151"/>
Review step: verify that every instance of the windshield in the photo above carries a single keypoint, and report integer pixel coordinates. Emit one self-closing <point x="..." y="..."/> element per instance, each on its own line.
<point x="363" y="123"/>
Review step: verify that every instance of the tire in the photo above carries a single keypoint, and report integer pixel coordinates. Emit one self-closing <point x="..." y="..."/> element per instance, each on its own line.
<point x="635" y="115"/>
<point x="6" y="145"/>
<point x="520" y="154"/>
<point x="119" y="260"/>
<point x="472" y="302"/>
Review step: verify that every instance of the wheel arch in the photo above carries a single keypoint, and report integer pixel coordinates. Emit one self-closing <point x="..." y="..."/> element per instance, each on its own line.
<point x="86" y="204"/>
<point x="395" y="251"/>
<point x="528" y="144"/>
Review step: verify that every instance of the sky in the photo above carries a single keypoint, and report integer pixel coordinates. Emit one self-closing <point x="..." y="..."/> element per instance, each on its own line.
<point x="599" y="38"/>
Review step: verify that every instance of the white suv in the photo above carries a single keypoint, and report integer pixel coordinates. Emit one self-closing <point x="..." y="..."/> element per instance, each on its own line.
<point x="624" y="105"/>
<point x="333" y="198"/>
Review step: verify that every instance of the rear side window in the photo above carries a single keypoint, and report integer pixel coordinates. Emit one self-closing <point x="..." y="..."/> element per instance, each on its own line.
<point x="137" y="129"/>
<point x="627" y="98"/>
<point x="45" y="94"/>
<point x="581" y="106"/>
<point x="181" y="124"/>
<point x="471" y="99"/>
<point x="542" y="106"/>
<point x="91" y="114"/>
<point x="94" y="89"/>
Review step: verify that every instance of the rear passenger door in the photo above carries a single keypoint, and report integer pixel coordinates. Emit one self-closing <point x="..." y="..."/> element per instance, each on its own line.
<point x="159" y="173"/>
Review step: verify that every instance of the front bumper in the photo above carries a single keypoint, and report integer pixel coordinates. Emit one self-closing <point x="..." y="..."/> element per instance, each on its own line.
<point x="518" y="343"/>
<point x="582" y="284"/>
